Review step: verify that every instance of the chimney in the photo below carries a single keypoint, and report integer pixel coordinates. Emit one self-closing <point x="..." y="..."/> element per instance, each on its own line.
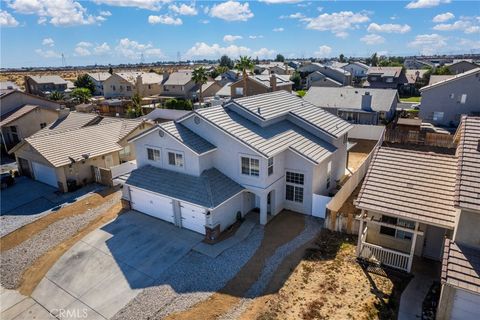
<point x="273" y="82"/>
<point x="367" y="101"/>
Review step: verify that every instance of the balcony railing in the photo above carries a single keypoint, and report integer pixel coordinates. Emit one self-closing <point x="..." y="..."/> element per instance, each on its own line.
<point x="391" y="258"/>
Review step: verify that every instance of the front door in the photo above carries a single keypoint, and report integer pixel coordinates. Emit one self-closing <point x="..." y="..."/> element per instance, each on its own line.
<point x="24" y="167"/>
<point x="433" y="244"/>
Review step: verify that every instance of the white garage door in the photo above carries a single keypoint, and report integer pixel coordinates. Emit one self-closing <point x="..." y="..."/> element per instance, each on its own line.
<point x="45" y="174"/>
<point x="193" y="217"/>
<point x="466" y="306"/>
<point x="152" y="204"/>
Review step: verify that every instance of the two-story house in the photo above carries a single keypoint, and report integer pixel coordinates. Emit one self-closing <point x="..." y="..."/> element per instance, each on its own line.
<point x="314" y="74"/>
<point x="126" y="84"/>
<point x="461" y="66"/>
<point x="425" y="204"/>
<point x="385" y="78"/>
<point x="209" y="168"/>
<point x="98" y="78"/>
<point x="445" y="101"/>
<point x="357" y="106"/>
<point x="179" y="84"/>
<point x="262" y="83"/>
<point x="44" y="85"/>
<point x="357" y="69"/>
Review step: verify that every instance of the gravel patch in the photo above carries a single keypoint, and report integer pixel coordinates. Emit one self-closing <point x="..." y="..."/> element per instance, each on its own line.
<point x="193" y="279"/>
<point x="312" y="228"/>
<point x="16" y="260"/>
<point x="11" y="223"/>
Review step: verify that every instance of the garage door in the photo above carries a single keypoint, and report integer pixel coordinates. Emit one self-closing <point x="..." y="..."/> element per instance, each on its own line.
<point x="465" y="306"/>
<point x="193" y="217"/>
<point x="45" y="174"/>
<point x="152" y="204"/>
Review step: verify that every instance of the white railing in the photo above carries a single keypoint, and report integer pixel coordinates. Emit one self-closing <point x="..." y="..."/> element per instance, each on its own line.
<point x="123" y="168"/>
<point x="385" y="256"/>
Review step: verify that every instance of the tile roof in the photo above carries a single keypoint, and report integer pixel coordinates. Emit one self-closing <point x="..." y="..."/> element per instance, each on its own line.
<point x="414" y="74"/>
<point x="225" y="91"/>
<point x="411" y="184"/>
<point x="48" y="79"/>
<point x="461" y="266"/>
<point x="351" y="98"/>
<point x="264" y="79"/>
<point x="71" y="121"/>
<point x="181" y="77"/>
<point x="60" y="142"/>
<point x="385" y="71"/>
<point x="99" y="76"/>
<point x="130" y="76"/>
<point x="467" y="190"/>
<point x="8" y="85"/>
<point x="454" y="78"/>
<point x="269" y="140"/>
<point x="187" y="137"/>
<point x="282" y="104"/>
<point x="16" y="114"/>
<point x="208" y="190"/>
<point x="434" y="78"/>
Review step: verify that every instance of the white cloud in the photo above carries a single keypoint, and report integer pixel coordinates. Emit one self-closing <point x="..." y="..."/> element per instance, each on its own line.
<point x="443" y="17"/>
<point x="203" y="50"/>
<point x="231" y="38"/>
<point x="418" y="4"/>
<point x="231" y="11"/>
<point x="165" y="19"/>
<point x="102" y="48"/>
<point x="205" y="21"/>
<point x="48" y="42"/>
<point x="7" y="20"/>
<point x="57" y="12"/>
<point x="278" y="29"/>
<point x="253" y="37"/>
<point x="84" y="44"/>
<point x="264" y="53"/>
<point x="465" y="24"/>
<point x="296" y="15"/>
<point x="389" y="28"/>
<point x="372" y="39"/>
<point x="469" y="44"/>
<point x="428" y="43"/>
<point x="280" y="1"/>
<point x="105" y="13"/>
<point x="133" y="50"/>
<point x="142" y="4"/>
<point x="184" y="9"/>
<point x="48" y="53"/>
<point x="82" y="52"/>
<point x="338" y="22"/>
<point x="323" y="51"/>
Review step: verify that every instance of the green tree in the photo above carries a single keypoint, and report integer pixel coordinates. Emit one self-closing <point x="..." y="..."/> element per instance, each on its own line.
<point x="178" y="104"/>
<point x="443" y="70"/>
<point x="56" y="96"/>
<point x="81" y="95"/>
<point x="245" y="64"/>
<point x="296" y="79"/>
<point x="225" y="61"/>
<point x="280" y="58"/>
<point x="134" y="109"/>
<point x="374" y="60"/>
<point x="110" y="70"/>
<point x="199" y="76"/>
<point x="84" y="81"/>
<point x="341" y="57"/>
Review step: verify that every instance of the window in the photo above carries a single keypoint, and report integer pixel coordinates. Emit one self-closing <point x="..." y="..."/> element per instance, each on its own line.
<point x="239" y="91"/>
<point x="153" y="154"/>
<point x="329" y="173"/>
<point x="250" y="166"/>
<point x="149" y="86"/>
<point x="175" y="159"/>
<point x="400" y="234"/>
<point x="389" y="80"/>
<point x="113" y="88"/>
<point x="463" y="98"/>
<point x="129" y="88"/>
<point x="437" y="116"/>
<point x="125" y="152"/>
<point x="43" y="125"/>
<point x="452" y="95"/>
<point x="293" y="188"/>
<point x="270" y="166"/>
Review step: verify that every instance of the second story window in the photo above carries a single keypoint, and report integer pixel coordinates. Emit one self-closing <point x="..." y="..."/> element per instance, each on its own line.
<point x="43" y="125"/>
<point x="329" y="174"/>
<point x="129" y="88"/>
<point x="153" y="154"/>
<point x="270" y="166"/>
<point x="250" y="166"/>
<point x="175" y="159"/>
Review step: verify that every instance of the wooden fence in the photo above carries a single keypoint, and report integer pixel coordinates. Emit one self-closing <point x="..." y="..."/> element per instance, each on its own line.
<point x="419" y="137"/>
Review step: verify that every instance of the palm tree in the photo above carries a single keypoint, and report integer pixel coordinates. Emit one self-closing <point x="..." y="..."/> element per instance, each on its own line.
<point x="199" y="76"/>
<point x="56" y="96"/>
<point x="245" y="64"/>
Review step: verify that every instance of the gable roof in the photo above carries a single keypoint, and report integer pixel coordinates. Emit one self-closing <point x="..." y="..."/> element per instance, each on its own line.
<point x="187" y="137"/>
<point x="358" y="63"/>
<point x="282" y="103"/>
<point x="434" y="78"/>
<point x="385" y="71"/>
<point x="264" y="80"/>
<point x="99" y="76"/>
<point x="457" y="77"/>
<point x="181" y="77"/>
<point x="351" y="98"/>
<point x="48" y="79"/>
<point x="467" y="190"/>
<point x="461" y="266"/>
<point x="209" y="190"/>
<point x="18" y="113"/>
<point x="411" y="184"/>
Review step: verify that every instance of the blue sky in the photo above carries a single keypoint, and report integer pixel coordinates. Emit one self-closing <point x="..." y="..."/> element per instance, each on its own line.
<point x="37" y="32"/>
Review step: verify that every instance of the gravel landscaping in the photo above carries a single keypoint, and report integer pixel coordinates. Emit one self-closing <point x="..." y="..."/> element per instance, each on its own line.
<point x="16" y="260"/>
<point x="193" y="279"/>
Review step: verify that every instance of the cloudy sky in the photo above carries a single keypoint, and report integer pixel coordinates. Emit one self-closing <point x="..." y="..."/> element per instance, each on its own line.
<point x="37" y="32"/>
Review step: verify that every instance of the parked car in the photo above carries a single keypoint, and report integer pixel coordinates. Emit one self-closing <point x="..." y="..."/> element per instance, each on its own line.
<point x="7" y="180"/>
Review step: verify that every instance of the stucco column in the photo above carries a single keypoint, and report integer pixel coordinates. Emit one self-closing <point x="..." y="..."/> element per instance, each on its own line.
<point x="263" y="209"/>
<point x="360" y="232"/>
<point x="412" y="249"/>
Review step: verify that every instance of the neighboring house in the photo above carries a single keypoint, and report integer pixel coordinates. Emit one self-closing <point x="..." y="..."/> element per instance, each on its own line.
<point x="209" y="89"/>
<point x="434" y="78"/>
<point x="427" y="205"/>
<point x="357" y="106"/>
<point x="445" y="101"/>
<point x="228" y="76"/>
<point x="337" y="74"/>
<point x="180" y="85"/>
<point x="418" y="64"/>
<point x="206" y="170"/>
<point x="414" y="81"/>
<point x="98" y="78"/>
<point x="357" y="69"/>
<point x="258" y="84"/>
<point x="385" y="78"/>
<point x="127" y="84"/>
<point x="163" y="115"/>
<point x="225" y="92"/>
<point x="44" y="85"/>
<point x="22" y="114"/>
<point x="8" y="85"/>
<point x="461" y="66"/>
<point x="318" y="79"/>
<point x="273" y="67"/>
<point x="65" y="153"/>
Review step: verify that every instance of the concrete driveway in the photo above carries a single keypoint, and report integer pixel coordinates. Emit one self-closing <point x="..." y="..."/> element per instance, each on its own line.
<point x="110" y="266"/>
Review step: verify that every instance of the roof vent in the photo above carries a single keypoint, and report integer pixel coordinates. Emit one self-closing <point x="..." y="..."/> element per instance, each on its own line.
<point x="259" y="111"/>
<point x="196" y="119"/>
<point x="161" y="133"/>
<point x="478" y="145"/>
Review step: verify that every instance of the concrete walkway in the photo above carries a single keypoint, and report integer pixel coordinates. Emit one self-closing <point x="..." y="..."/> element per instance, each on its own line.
<point x="425" y="272"/>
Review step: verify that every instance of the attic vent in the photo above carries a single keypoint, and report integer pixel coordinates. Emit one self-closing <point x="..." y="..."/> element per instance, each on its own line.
<point x="161" y="133"/>
<point x="196" y="119"/>
<point x="478" y="145"/>
<point x="259" y="111"/>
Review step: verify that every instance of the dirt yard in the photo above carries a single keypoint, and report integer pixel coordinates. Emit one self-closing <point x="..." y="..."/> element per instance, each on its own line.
<point x="329" y="284"/>
<point x="359" y="152"/>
